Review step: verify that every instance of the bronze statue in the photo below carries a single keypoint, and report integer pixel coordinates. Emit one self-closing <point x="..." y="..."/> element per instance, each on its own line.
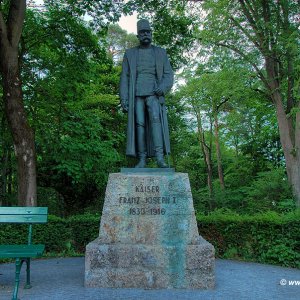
<point x="145" y="79"/>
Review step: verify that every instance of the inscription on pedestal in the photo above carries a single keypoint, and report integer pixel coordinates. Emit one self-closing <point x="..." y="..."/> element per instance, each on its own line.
<point x="147" y="205"/>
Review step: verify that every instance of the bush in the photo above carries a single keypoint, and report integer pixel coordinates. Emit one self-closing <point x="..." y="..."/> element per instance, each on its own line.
<point x="266" y="238"/>
<point x="270" y="191"/>
<point x="266" y="191"/>
<point x="55" y="234"/>
<point x="63" y="236"/>
<point x="84" y="229"/>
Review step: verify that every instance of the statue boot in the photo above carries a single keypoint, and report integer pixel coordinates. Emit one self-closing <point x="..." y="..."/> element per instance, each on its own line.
<point x="141" y="145"/>
<point x="158" y="144"/>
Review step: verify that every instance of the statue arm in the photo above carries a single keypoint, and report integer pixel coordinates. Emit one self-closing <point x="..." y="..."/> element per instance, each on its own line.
<point x="124" y="83"/>
<point x="168" y="75"/>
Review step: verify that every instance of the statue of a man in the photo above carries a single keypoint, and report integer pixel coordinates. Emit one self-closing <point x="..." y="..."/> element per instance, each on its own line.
<point x="145" y="79"/>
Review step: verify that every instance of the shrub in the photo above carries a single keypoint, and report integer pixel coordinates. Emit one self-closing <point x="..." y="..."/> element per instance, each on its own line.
<point x="84" y="229"/>
<point x="267" y="238"/>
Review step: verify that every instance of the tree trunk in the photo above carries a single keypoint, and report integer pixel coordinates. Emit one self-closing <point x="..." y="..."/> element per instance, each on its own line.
<point x="9" y="175"/>
<point x="291" y="151"/>
<point x="289" y="138"/>
<point x="207" y="160"/>
<point x="22" y="134"/>
<point x="218" y="150"/>
<point x="4" y="167"/>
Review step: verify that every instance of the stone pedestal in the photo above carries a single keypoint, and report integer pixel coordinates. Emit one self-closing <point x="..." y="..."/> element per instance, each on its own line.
<point x="148" y="236"/>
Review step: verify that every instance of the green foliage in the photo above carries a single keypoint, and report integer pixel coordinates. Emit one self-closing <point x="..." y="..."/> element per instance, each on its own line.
<point x="269" y="189"/>
<point x="49" y="197"/>
<point x="53" y="234"/>
<point x="247" y="136"/>
<point x="14" y="234"/>
<point x="249" y="193"/>
<point x="100" y="13"/>
<point x="266" y="238"/>
<point x="70" y="89"/>
<point x="118" y="40"/>
<point x="84" y="229"/>
<point x="64" y="236"/>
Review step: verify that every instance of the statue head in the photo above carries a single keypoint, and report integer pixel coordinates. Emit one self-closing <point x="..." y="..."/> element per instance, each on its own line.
<point x="144" y="32"/>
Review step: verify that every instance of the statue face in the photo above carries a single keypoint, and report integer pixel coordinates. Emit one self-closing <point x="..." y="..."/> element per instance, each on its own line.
<point x="145" y="37"/>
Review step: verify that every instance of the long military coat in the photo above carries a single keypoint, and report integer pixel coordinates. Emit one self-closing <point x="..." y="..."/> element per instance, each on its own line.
<point x="165" y="79"/>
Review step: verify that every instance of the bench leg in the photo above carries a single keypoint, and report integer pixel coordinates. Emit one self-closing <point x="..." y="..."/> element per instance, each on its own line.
<point x="27" y="285"/>
<point x="17" y="280"/>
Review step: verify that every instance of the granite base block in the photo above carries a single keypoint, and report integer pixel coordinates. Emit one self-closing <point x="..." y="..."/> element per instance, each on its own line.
<point x="149" y="266"/>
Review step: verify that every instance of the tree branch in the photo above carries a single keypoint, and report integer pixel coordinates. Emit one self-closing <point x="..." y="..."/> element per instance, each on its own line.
<point x="221" y="103"/>
<point x="237" y="24"/>
<point x="32" y="42"/>
<point x="289" y="56"/>
<point x="239" y="52"/>
<point x="252" y="23"/>
<point x="249" y="16"/>
<point x="251" y="9"/>
<point x="16" y="18"/>
<point x="267" y="31"/>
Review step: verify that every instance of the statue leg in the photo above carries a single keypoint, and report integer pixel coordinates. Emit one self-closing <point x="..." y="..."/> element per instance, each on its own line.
<point x="154" y="115"/>
<point x="140" y="131"/>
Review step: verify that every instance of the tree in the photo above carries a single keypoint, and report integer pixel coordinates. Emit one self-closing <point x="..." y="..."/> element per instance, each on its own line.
<point x="70" y="88"/>
<point x="195" y="98"/>
<point x="265" y="35"/>
<point x="12" y="16"/>
<point x="118" y="40"/>
<point x="11" y="25"/>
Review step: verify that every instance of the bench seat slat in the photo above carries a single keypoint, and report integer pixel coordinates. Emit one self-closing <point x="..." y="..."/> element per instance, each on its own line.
<point x="15" y="251"/>
<point x="23" y="218"/>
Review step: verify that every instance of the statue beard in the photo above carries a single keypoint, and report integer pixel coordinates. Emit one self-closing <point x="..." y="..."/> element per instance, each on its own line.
<point x="145" y="41"/>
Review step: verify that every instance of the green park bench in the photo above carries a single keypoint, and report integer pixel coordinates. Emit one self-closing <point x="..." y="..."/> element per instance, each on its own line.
<point x="22" y="253"/>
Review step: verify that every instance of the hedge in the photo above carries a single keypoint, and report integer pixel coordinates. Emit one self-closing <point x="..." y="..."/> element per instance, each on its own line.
<point x="266" y="238"/>
<point x="63" y="236"/>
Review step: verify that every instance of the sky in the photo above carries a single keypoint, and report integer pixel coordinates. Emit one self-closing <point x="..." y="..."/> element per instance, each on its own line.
<point x="129" y="23"/>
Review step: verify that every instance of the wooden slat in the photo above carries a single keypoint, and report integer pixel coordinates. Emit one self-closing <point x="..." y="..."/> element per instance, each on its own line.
<point x="21" y="251"/>
<point x="16" y="210"/>
<point x="23" y="218"/>
<point x="23" y="214"/>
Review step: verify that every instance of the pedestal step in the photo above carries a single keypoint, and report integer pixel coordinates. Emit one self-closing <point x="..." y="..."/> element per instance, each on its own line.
<point x="149" y="266"/>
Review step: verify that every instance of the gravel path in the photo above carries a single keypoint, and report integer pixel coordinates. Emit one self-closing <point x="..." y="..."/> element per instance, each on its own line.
<point x="62" y="279"/>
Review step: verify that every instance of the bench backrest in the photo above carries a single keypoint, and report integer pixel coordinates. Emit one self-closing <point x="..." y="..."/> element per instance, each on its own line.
<point x="23" y="214"/>
<point x="29" y="215"/>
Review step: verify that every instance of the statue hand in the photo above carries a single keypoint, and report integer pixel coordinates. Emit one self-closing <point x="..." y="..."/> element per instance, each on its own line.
<point x="158" y="92"/>
<point x="124" y="105"/>
<point x="161" y="100"/>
